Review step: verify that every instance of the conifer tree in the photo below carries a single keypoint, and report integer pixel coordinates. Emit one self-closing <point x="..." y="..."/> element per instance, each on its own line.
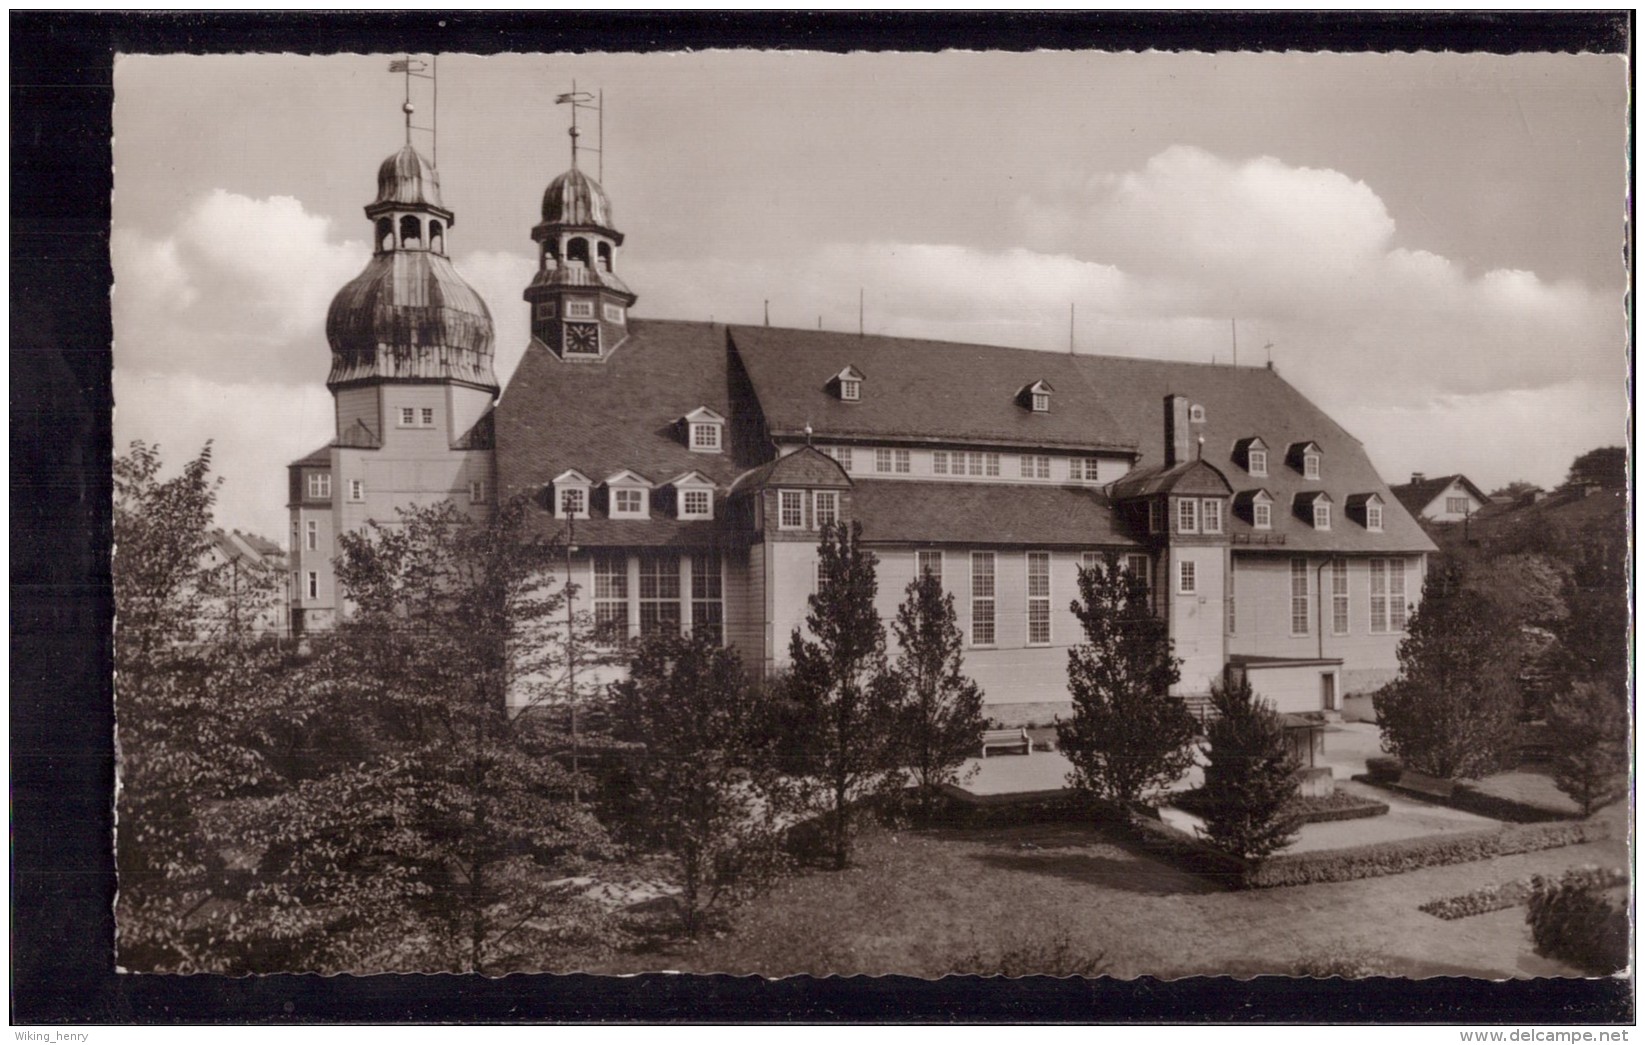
<point x="1127" y="737"/>
<point x="1589" y="724"/>
<point x="1454" y="709"/>
<point x="940" y="720"/>
<point x="842" y="721"/>
<point x="1250" y="785"/>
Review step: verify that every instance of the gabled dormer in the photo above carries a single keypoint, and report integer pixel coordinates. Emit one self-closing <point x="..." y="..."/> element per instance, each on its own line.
<point x="1036" y="397"/>
<point x="1365" y="509"/>
<point x="846" y="386"/>
<point x="628" y="495"/>
<point x="1314" y="508"/>
<point x="693" y="495"/>
<point x="571" y="494"/>
<point x="703" y="430"/>
<point x="1256" y="507"/>
<point x="1251" y="454"/>
<point x="1305" y="458"/>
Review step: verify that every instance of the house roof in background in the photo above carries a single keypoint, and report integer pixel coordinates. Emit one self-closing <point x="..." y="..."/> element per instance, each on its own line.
<point x="893" y="511"/>
<point x="1418" y="495"/>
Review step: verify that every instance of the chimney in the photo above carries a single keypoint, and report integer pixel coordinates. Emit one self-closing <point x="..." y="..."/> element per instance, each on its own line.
<point x="1178" y="441"/>
<point x="1417" y="477"/>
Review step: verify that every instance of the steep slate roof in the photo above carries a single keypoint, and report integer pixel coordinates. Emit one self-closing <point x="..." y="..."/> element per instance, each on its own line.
<point x="806" y="466"/>
<point x="893" y="511"/>
<point x="1417" y="496"/>
<point x="922" y="390"/>
<point x="1241" y="402"/>
<point x="1188" y="477"/>
<point x="600" y="418"/>
<point x="322" y="456"/>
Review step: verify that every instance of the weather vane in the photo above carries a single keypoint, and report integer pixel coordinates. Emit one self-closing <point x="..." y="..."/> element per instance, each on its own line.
<point x="429" y="71"/>
<point x="594" y="103"/>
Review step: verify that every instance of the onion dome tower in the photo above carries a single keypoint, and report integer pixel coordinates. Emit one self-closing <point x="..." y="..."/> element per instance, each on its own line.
<point x="409" y="317"/>
<point x="579" y="306"/>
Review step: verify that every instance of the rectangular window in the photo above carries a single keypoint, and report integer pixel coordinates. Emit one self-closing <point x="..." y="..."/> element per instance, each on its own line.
<point x="312" y="539"/>
<point x="1187" y="579"/>
<point x="1373" y="517"/>
<point x="408" y="417"/>
<point x="882" y="460"/>
<point x="313" y="584"/>
<point x="790" y="509"/>
<point x="842" y="454"/>
<point x="545" y="310"/>
<point x="1456" y="505"/>
<point x="1138" y="565"/>
<point x="825" y="508"/>
<point x="614" y="314"/>
<point x="477" y="491"/>
<point x="707" y="596"/>
<point x="1187" y="515"/>
<point x="1339" y="596"/>
<point x="1042" y="402"/>
<point x="1262" y="516"/>
<point x="356" y="489"/>
<point x="991" y="464"/>
<point x="1310" y="466"/>
<point x="982" y="598"/>
<point x="579" y="310"/>
<point x="628" y="504"/>
<point x="428" y="417"/>
<point x="1212" y="515"/>
<point x="1156" y="516"/>
<point x="1233" y="617"/>
<point x="939" y="462"/>
<point x="1084" y="469"/>
<point x="1322" y="515"/>
<point x="610" y="596"/>
<point x="1257" y="462"/>
<point x="1387" y="595"/>
<point x="900" y="461"/>
<point x="319" y="486"/>
<point x="659" y="593"/>
<point x="1039" y="598"/>
<point x="929" y="563"/>
<point x="1299" y="596"/>
<point x="974" y="463"/>
<point x="705" y="436"/>
<point x="1396" y="594"/>
<point x="696" y="504"/>
<point x="573" y="503"/>
<point x="850" y="389"/>
<point x="1036" y="466"/>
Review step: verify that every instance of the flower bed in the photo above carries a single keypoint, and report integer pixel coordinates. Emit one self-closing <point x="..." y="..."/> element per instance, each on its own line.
<point x="1511" y="894"/>
<point x="1320" y="809"/>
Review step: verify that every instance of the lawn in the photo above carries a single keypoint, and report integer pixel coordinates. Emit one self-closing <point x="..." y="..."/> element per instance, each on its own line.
<point x="926" y="902"/>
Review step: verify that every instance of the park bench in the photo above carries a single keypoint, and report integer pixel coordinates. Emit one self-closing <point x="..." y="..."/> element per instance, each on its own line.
<point x="1006" y="739"/>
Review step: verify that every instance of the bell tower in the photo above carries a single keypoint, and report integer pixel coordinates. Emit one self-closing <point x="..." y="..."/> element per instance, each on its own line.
<point x="579" y="305"/>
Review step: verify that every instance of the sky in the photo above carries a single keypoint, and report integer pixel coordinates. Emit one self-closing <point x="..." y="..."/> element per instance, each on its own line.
<point x="1431" y="244"/>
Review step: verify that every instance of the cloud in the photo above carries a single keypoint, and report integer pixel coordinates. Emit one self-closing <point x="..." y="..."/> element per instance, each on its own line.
<point x="238" y="289"/>
<point x="500" y="278"/>
<point x="256" y="429"/>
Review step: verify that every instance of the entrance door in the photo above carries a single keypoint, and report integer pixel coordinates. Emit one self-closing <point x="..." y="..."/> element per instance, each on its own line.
<point x="1328" y="691"/>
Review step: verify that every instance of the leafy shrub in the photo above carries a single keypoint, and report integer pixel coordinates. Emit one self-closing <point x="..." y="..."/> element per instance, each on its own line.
<point x="1057" y="954"/>
<point x="1511" y="894"/>
<point x="1383" y="768"/>
<point x="1577" y="919"/>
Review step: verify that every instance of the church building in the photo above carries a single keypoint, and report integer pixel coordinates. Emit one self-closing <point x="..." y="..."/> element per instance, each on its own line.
<point x="691" y="466"/>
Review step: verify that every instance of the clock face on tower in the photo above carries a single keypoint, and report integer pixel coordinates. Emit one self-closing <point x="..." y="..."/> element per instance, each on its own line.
<point x="582" y="339"/>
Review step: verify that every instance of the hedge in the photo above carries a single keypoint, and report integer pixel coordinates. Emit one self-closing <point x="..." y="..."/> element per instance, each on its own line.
<point x="1578" y="919"/>
<point x="1410" y="854"/>
<point x="1469" y="800"/>
<point x="1340" y="805"/>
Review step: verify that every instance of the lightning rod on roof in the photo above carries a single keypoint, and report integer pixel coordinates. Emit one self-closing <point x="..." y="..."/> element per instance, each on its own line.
<point x="594" y="103"/>
<point x="422" y="70"/>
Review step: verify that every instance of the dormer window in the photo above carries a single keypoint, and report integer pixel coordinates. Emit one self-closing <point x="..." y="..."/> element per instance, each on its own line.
<point x="1262" y="515"/>
<point x="1305" y="458"/>
<point x="1366" y="509"/>
<point x="1322" y="515"/>
<point x="1373" y="517"/>
<point x="1257" y="462"/>
<point x="1255" y="507"/>
<point x="1251" y="453"/>
<point x="848" y="385"/>
<point x="630" y="496"/>
<point x="1036" y="397"/>
<point x="571" y="495"/>
<point x="1314" y="508"/>
<point x="705" y="430"/>
<point x="693" y="496"/>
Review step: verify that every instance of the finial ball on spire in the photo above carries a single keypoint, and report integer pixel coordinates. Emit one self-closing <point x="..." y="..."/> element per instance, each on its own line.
<point x="408" y="108"/>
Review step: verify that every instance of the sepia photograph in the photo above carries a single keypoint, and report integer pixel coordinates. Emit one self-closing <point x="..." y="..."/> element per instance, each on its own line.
<point x="1106" y="514"/>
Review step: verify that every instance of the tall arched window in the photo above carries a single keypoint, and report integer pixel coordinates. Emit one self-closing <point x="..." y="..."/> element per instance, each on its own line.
<point x="605" y="255"/>
<point x="436" y="238"/>
<point x="385" y="234"/>
<point x="577" y="250"/>
<point x="411" y="231"/>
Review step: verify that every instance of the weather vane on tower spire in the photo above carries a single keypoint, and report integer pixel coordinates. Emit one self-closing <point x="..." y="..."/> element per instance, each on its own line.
<point x="595" y="104"/>
<point x="429" y="71"/>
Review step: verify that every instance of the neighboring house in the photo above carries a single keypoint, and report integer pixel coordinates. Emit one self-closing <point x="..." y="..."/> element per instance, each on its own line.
<point x="251" y="580"/>
<point x="1447" y="499"/>
<point x="691" y="467"/>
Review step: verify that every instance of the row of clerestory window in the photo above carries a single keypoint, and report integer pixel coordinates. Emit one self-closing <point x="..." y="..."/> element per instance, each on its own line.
<point x="628" y="495"/>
